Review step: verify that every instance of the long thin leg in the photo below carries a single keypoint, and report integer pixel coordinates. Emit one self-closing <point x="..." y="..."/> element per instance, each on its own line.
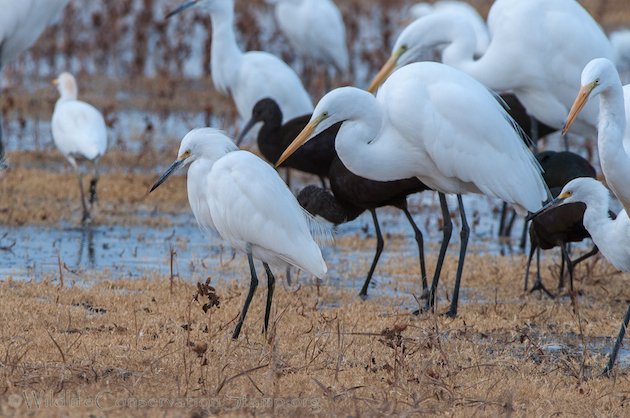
<point x="270" y="286"/>
<point x="538" y="285"/>
<point x="504" y="209"/>
<point x="464" y="234"/>
<point x="562" y="260"/>
<point x="93" y="182"/>
<point x="86" y="213"/>
<point x="2" y="162"/>
<point x="287" y="177"/>
<point x="510" y="224"/>
<point x="589" y="254"/>
<point x="446" y="231"/>
<point x="532" y="249"/>
<point x="565" y="255"/>
<point x="420" y="242"/>
<point x="379" y="249"/>
<point x="252" y="289"/>
<point x="524" y="235"/>
<point x="615" y="350"/>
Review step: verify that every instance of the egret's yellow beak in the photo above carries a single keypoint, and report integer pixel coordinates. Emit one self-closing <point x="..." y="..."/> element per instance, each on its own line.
<point x="564" y="195"/>
<point x="301" y="139"/>
<point x="387" y="69"/>
<point x="55" y="82"/>
<point x="578" y="105"/>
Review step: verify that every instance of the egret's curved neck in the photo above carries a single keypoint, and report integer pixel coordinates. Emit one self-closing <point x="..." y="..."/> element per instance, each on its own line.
<point x="365" y="151"/>
<point x="596" y="219"/>
<point x="611" y="126"/>
<point x="226" y="54"/>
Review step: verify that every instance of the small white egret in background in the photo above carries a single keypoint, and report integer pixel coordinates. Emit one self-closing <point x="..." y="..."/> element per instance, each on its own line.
<point x="243" y="198"/>
<point x="612" y="237"/>
<point x="79" y="132"/>
<point x="457" y="8"/>
<point x="440" y="125"/>
<point x="620" y="40"/>
<point x="537" y="51"/>
<point x="21" y="23"/>
<point x="315" y="29"/>
<point x="251" y="76"/>
<point x="600" y="78"/>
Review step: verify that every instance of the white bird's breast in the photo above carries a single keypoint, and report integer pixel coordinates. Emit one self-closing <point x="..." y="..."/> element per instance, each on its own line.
<point x="78" y="128"/>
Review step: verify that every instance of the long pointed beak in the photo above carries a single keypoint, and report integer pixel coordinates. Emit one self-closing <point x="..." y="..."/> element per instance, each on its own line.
<point x="182" y="7"/>
<point x="578" y="105"/>
<point x="385" y="72"/>
<point x="552" y="204"/>
<point x="176" y="164"/>
<point x="55" y="82"/>
<point x="250" y="124"/>
<point x="300" y="140"/>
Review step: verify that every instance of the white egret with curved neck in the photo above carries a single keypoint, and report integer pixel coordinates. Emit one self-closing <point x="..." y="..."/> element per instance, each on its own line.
<point x="80" y="133"/>
<point x="251" y="76"/>
<point x="243" y="198"/>
<point x="315" y="29"/>
<point x="612" y="237"/>
<point x="440" y="125"/>
<point x="537" y="51"/>
<point x="600" y="78"/>
<point x="21" y="24"/>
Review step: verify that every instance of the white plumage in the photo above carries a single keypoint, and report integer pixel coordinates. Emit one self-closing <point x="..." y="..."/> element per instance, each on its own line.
<point x="438" y="124"/>
<point x="79" y="132"/>
<point x="315" y="29"/>
<point x="251" y="76"/>
<point x="242" y="197"/>
<point x="537" y="51"/>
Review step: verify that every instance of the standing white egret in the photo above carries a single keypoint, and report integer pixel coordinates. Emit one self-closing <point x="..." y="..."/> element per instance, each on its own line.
<point x="600" y="78"/>
<point x="21" y="23"/>
<point x="251" y="76"/>
<point x="537" y="51"/>
<point x="612" y="237"/>
<point x="315" y="29"/>
<point x="461" y="8"/>
<point x="440" y="125"/>
<point x="79" y="132"/>
<point x="243" y="198"/>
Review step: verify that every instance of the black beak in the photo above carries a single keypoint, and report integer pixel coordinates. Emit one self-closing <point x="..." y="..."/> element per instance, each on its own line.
<point x="181" y="8"/>
<point x="250" y="124"/>
<point x="167" y="173"/>
<point x="552" y="204"/>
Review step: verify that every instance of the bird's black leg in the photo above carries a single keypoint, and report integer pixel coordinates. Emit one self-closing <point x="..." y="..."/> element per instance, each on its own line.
<point x="271" y="282"/>
<point x="510" y="224"/>
<point x="379" y="250"/>
<point x="524" y="236"/>
<point x="565" y="255"/>
<point x="287" y="177"/>
<point x="464" y="234"/>
<point x="288" y="274"/>
<point x="502" y="220"/>
<point x="562" y="259"/>
<point x="2" y="162"/>
<point x="532" y="249"/>
<point x="589" y="254"/>
<point x="447" y="230"/>
<point x="93" y="182"/>
<point x="323" y="180"/>
<point x="615" y="350"/>
<point x="85" y="219"/>
<point x="538" y="283"/>
<point x="420" y="242"/>
<point x="566" y="142"/>
<point x="252" y="289"/>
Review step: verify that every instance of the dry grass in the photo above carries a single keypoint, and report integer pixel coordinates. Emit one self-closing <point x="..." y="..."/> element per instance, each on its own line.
<point x="133" y="347"/>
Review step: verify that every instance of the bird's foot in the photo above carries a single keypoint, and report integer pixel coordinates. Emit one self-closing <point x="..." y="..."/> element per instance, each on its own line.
<point x="538" y="286"/>
<point x="86" y="218"/>
<point x="423" y="310"/>
<point x="363" y="295"/>
<point x="451" y="313"/>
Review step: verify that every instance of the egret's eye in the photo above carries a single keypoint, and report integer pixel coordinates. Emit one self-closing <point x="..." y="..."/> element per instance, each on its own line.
<point x="186" y="154"/>
<point x="596" y="81"/>
<point x="324" y="115"/>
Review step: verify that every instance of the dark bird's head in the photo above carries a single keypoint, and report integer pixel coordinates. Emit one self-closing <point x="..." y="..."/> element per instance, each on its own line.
<point x="313" y="199"/>
<point x="266" y="111"/>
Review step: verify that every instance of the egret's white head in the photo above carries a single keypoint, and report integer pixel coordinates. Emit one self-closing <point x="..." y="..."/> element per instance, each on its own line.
<point x="421" y="10"/>
<point x="598" y="75"/>
<point x="583" y="189"/>
<point x="340" y="105"/>
<point x="67" y="86"/>
<point x="429" y="33"/>
<point x="201" y="143"/>
<point x="211" y="6"/>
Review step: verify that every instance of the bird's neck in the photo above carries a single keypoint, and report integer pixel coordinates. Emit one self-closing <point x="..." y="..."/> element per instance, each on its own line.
<point x="596" y="219"/>
<point x="270" y="139"/>
<point x="614" y="159"/>
<point x="367" y="153"/>
<point x="226" y="54"/>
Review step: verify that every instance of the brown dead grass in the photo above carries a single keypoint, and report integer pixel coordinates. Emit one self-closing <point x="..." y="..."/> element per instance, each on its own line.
<point x="129" y="345"/>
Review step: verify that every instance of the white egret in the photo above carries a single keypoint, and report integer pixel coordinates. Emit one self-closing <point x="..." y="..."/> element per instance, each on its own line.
<point x="463" y="9"/>
<point x="79" y="132"/>
<point x="600" y="78"/>
<point x="537" y="51"/>
<point x="620" y="40"/>
<point x="612" y="237"/>
<point x="241" y="197"/>
<point x="440" y="125"/>
<point x="21" y="23"/>
<point x="251" y="76"/>
<point x="315" y="29"/>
